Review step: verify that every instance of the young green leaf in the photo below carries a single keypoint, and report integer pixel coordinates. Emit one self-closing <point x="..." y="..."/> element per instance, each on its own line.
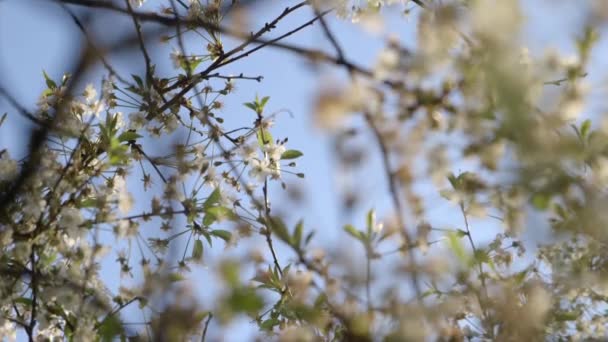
<point x="220" y="213"/>
<point x="110" y="328"/>
<point x="291" y="154"/>
<point x="191" y="63"/>
<point x="128" y="135"/>
<point x="138" y="80"/>
<point x="175" y="277"/>
<point x="49" y="82"/>
<point x="585" y="127"/>
<point x="251" y="106"/>
<point x="213" y="199"/>
<point x="541" y="201"/>
<point x="262" y="103"/>
<point x="371" y="220"/>
<point x="354" y="232"/>
<point x="297" y="234"/>
<point x="264" y="137"/>
<point x="279" y="228"/>
<point x="222" y="234"/>
<point x="197" y="250"/>
<point x="457" y="248"/>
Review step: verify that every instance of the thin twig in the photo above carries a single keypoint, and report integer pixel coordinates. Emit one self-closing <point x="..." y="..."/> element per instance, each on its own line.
<point x="206" y="327"/>
<point x="482" y="300"/>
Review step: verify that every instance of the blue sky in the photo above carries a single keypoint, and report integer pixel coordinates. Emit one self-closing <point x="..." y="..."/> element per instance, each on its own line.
<point x="36" y="36"/>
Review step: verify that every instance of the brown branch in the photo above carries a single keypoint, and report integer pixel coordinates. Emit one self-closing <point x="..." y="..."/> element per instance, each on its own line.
<point x="275" y="40"/>
<point x="225" y="56"/>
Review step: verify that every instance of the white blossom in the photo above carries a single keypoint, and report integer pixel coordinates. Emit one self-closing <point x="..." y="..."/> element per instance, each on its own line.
<point x="90" y="94"/>
<point x="137" y="120"/>
<point x="176" y="57"/>
<point x="124" y="198"/>
<point x="387" y="61"/>
<point x="49" y="333"/>
<point x="248" y="151"/>
<point x="70" y="219"/>
<point x="107" y="87"/>
<point x="211" y="178"/>
<point x="44" y="103"/>
<point x="33" y="207"/>
<point x="194" y="10"/>
<point x="8" y="331"/>
<point x="275" y="151"/>
<point x="259" y="169"/>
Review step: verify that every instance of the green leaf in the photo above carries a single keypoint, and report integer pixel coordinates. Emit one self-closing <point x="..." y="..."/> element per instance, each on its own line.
<point x="47" y="259"/>
<point x="220" y="213"/>
<point x="584" y="43"/>
<point x="128" y="135"/>
<point x="321" y="299"/>
<point x="208" y="220"/>
<point x="279" y="228"/>
<point x="371" y="220"/>
<point x="520" y="277"/>
<point x="175" y="277"/>
<point x="213" y="199"/>
<point x="291" y="154"/>
<point x="207" y="236"/>
<point x="110" y="328"/>
<point x="297" y="234"/>
<point x="263" y="102"/>
<point x="23" y="300"/>
<point x="453" y="181"/>
<point x="117" y="152"/>
<point x="541" y="201"/>
<point x="138" y="80"/>
<point x="251" y="106"/>
<point x="481" y="256"/>
<point x="309" y="237"/>
<point x="142" y="302"/>
<point x="90" y="202"/>
<point x="269" y="324"/>
<point x="245" y="300"/>
<point x="192" y="62"/>
<point x="428" y="292"/>
<point x="222" y="234"/>
<point x="585" y="127"/>
<point x="562" y="316"/>
<point x="264" y="137"/>
<point x="354" y="232"/>
<point x="49" y="82"/>
<point x="197" y="250"/>
<point x="134" y="90"/>
<point x="457" y="248"/>
<point x="461" y="233"/>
